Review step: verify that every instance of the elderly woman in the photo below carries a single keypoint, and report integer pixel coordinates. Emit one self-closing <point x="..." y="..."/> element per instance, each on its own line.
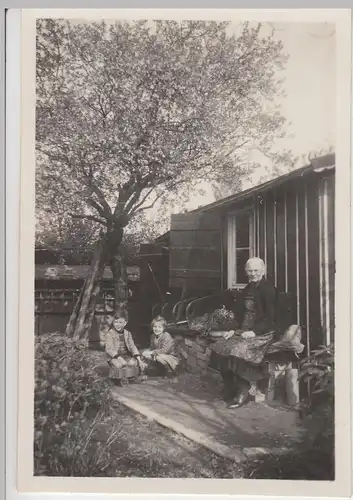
<point x="256" y="319"/>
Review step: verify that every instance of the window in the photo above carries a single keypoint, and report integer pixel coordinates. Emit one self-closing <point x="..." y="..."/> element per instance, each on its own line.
<point x="240" y="246"/>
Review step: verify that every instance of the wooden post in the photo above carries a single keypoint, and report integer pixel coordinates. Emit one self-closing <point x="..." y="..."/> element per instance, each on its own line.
<point x="292" y="385"/>
<point x="285" y="372"/>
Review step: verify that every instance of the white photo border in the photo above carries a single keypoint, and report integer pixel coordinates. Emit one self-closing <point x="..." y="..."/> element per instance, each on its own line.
<point x="24" y="288"/>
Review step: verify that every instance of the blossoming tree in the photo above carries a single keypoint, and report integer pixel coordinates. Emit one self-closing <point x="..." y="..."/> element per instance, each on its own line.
<point x="129" y="113"/>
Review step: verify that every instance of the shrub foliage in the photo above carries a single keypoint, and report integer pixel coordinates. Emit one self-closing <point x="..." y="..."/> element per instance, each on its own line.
<point x="72" y="404"/>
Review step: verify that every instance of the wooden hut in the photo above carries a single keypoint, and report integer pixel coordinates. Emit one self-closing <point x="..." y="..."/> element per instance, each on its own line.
<point x="57" y="287"/>
<point x="288" y="221"/>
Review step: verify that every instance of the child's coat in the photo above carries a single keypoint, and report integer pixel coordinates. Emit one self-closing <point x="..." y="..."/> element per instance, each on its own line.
<point x="118" y="358"/>
<point x="164" y="349"/>
<point x="112" y="343"/>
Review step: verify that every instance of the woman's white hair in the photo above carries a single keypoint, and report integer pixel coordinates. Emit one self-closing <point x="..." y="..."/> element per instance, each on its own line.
<point x="256" y="260"/>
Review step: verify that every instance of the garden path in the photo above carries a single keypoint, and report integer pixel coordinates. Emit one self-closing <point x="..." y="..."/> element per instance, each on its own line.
<point x="193" y="407"/>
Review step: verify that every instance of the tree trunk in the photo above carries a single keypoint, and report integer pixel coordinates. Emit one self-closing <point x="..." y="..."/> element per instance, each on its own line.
<point x="74" y="315"/>
<point x="81" y="317"/>
<point x="106" y="251"/>
<point x="88" y="300"/>
<point x="92" y="308"/>
<point x="120" y="279"/>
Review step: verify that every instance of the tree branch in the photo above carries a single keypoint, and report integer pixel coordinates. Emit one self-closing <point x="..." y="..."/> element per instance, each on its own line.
<point x="143" y="199"/>
<point x="158" y="197"/>
<point x="101" y="198"/>
<point x="125" y="193"/>
<point x="134" y="198"/>
<point x="176" y="127"/>
<point x="88" y="217"/>
<point x="99" y="209"/>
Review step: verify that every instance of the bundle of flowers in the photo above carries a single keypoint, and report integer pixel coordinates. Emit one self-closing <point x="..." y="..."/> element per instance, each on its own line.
<point x="219" y="319"/>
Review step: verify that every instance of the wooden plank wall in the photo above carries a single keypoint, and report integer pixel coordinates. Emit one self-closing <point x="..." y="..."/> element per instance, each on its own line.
<point x="295" y="236"/>
<point x="313" y="263"/>
<point x="196" y="251"/>
<point x="327" y="248"/>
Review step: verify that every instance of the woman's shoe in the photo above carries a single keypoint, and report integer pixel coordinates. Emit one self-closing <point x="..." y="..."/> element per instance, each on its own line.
<point x="241" y="400"/>
<point x="237" y="404"/>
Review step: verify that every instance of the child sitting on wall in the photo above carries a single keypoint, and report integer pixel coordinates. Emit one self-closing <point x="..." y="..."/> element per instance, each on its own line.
<point x="120" y="347"/>
<point x="162" y="356"/>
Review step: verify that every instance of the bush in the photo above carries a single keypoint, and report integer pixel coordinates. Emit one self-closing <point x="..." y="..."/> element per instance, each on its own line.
<point x="318" y="371"/>
<point x="72" y="403"/>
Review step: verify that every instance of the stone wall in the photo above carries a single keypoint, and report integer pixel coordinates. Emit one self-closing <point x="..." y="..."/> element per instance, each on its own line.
<point x="195" y="352"/>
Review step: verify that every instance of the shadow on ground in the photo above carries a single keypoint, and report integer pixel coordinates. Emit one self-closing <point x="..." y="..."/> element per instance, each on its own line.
<point x="195" y="403"/>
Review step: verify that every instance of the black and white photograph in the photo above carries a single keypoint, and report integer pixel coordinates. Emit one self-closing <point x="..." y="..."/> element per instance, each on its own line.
<point x="184" y="257"/>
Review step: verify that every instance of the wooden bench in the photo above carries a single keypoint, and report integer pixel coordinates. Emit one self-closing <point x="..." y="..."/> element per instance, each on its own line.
<point x="176" y="317"/>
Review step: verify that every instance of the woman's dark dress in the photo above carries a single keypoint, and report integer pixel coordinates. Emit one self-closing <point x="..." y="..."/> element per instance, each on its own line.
<point x="264" y="297"/>
<point x="256" y="312"/>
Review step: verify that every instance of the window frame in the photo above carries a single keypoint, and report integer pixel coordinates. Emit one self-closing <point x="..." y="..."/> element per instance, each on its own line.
<point x="232" y="282"/>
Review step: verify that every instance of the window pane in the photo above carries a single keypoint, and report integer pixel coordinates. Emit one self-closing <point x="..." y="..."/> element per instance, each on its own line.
<point x="242" y="230"/>
<point x="242" y="256"/>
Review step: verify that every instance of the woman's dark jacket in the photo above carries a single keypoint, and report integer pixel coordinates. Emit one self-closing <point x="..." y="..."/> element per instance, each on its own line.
<point x="264" y="296"/>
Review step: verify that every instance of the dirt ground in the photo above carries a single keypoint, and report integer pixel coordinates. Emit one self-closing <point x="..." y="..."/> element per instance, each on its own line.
<point x="146" y="449"/>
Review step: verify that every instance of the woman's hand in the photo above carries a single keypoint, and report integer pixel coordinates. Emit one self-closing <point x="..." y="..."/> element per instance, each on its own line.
<point x="141" y="364"/>
<point x="248" y="335"/>
<point x="147" y="354"/>
<point x="228" y="335"/>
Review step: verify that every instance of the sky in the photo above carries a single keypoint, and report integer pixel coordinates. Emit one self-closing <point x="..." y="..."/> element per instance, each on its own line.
<point x="310" y="87"/>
